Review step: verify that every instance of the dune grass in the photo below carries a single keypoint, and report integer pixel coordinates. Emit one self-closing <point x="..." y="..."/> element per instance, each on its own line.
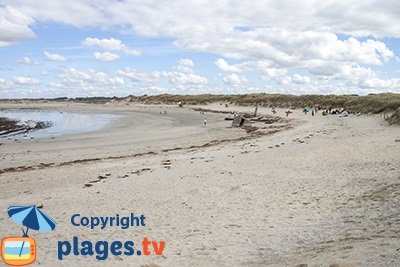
<point x="374" y="103"/>
<point x="395" y="117"/>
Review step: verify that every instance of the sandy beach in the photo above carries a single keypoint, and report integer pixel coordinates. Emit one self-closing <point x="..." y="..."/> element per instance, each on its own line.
<point x="303" y="191"/>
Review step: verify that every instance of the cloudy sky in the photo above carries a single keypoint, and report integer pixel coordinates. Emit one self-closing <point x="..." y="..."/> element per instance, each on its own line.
<point x="119" y="47"/>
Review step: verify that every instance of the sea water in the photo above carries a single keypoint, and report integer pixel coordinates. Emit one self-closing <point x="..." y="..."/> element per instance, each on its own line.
<point x="61" y="122"/>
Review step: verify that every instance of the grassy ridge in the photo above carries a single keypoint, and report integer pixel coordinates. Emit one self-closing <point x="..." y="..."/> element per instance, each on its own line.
<point x="395" y="117"/>
<point x="367" y="104"/>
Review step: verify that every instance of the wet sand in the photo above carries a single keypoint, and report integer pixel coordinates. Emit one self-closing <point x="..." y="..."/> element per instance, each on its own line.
<point x="312" y="191"/>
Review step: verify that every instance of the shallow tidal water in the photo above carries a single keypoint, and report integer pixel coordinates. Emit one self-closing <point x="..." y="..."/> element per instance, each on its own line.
<point x="61" y="122"/>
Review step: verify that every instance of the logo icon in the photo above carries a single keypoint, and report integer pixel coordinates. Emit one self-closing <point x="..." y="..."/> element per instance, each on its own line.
<point x="18" y="251"/>
<point x="21" y="250"/>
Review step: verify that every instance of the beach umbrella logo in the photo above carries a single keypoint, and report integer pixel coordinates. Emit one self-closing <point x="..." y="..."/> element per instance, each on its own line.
<point x="21" y="250"/>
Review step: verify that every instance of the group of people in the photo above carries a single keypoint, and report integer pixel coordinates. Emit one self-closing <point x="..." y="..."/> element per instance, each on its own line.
<point x="313" y="111"/>
<point x="305" y="111"/>
<point x="287" y="112"/>
<point x="205" y="119"/>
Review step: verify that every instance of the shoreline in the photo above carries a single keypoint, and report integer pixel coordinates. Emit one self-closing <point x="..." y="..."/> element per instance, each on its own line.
<point x="124" y="137"/>
<point x="254" y="129"/>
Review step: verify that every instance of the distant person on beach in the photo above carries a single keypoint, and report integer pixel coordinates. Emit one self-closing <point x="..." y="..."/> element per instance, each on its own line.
<point x="165" y="112"/>
<point x="288" y="112"/>
<point x="273" y="110"/>
<point x="312" y="113"/>
<point x="205" y="121"/>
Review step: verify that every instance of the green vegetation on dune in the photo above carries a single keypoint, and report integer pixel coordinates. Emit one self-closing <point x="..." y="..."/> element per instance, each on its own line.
<point x="367" y="104"/>
<point x="395" y="117"/>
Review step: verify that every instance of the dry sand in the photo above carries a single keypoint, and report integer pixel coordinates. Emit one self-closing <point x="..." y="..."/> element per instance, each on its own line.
<point x="321" y="191"/>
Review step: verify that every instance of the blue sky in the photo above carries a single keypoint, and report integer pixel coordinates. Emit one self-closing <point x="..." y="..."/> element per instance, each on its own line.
<point x="108" y="47"/>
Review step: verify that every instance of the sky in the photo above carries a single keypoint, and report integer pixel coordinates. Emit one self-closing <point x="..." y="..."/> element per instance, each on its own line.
<point x="111" y="48"/>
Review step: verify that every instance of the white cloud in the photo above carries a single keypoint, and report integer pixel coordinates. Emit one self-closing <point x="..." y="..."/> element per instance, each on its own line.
<point x="285" y="48"/>
<point x="271" y="73"/>
<point x="152" y="90"/>
<point x="139" y="76"/>
<point x="111" y="44"/>
<point x="14" y="26"/>
<point x="181" y="79"/>
<point x="56" y="85"/>
<point x="25" y="81"/>
<point x="186" y="62"/>
<point x="299" y="79"/>
<point x="182" y="18"/>
<point x="234" y="79"/>
<point x="224" y="66"/>
<point x="4" y="84"/>
<point x="106" y="56"/>
<point x="295" y="79"/>
<point x="28" y="61"/>
<point x="54" y="57"/>
<point x="176" y="78"/>
<point x="74" y="77"/>
<point x="263" y="67"/>
<point x="185" y="65"/>
<point x="378" y="83"/>
<point x="286" y="80"/>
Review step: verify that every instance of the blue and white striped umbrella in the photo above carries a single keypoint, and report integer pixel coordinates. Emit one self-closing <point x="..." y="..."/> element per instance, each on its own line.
<point x="32" y="218"/>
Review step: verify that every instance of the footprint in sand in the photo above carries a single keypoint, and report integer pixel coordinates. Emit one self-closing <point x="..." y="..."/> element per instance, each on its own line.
<point x="167" y="163"/>
<point x="150" y="265"/>
<point x="99" y="178"/>
<point x="138" y="172"/>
